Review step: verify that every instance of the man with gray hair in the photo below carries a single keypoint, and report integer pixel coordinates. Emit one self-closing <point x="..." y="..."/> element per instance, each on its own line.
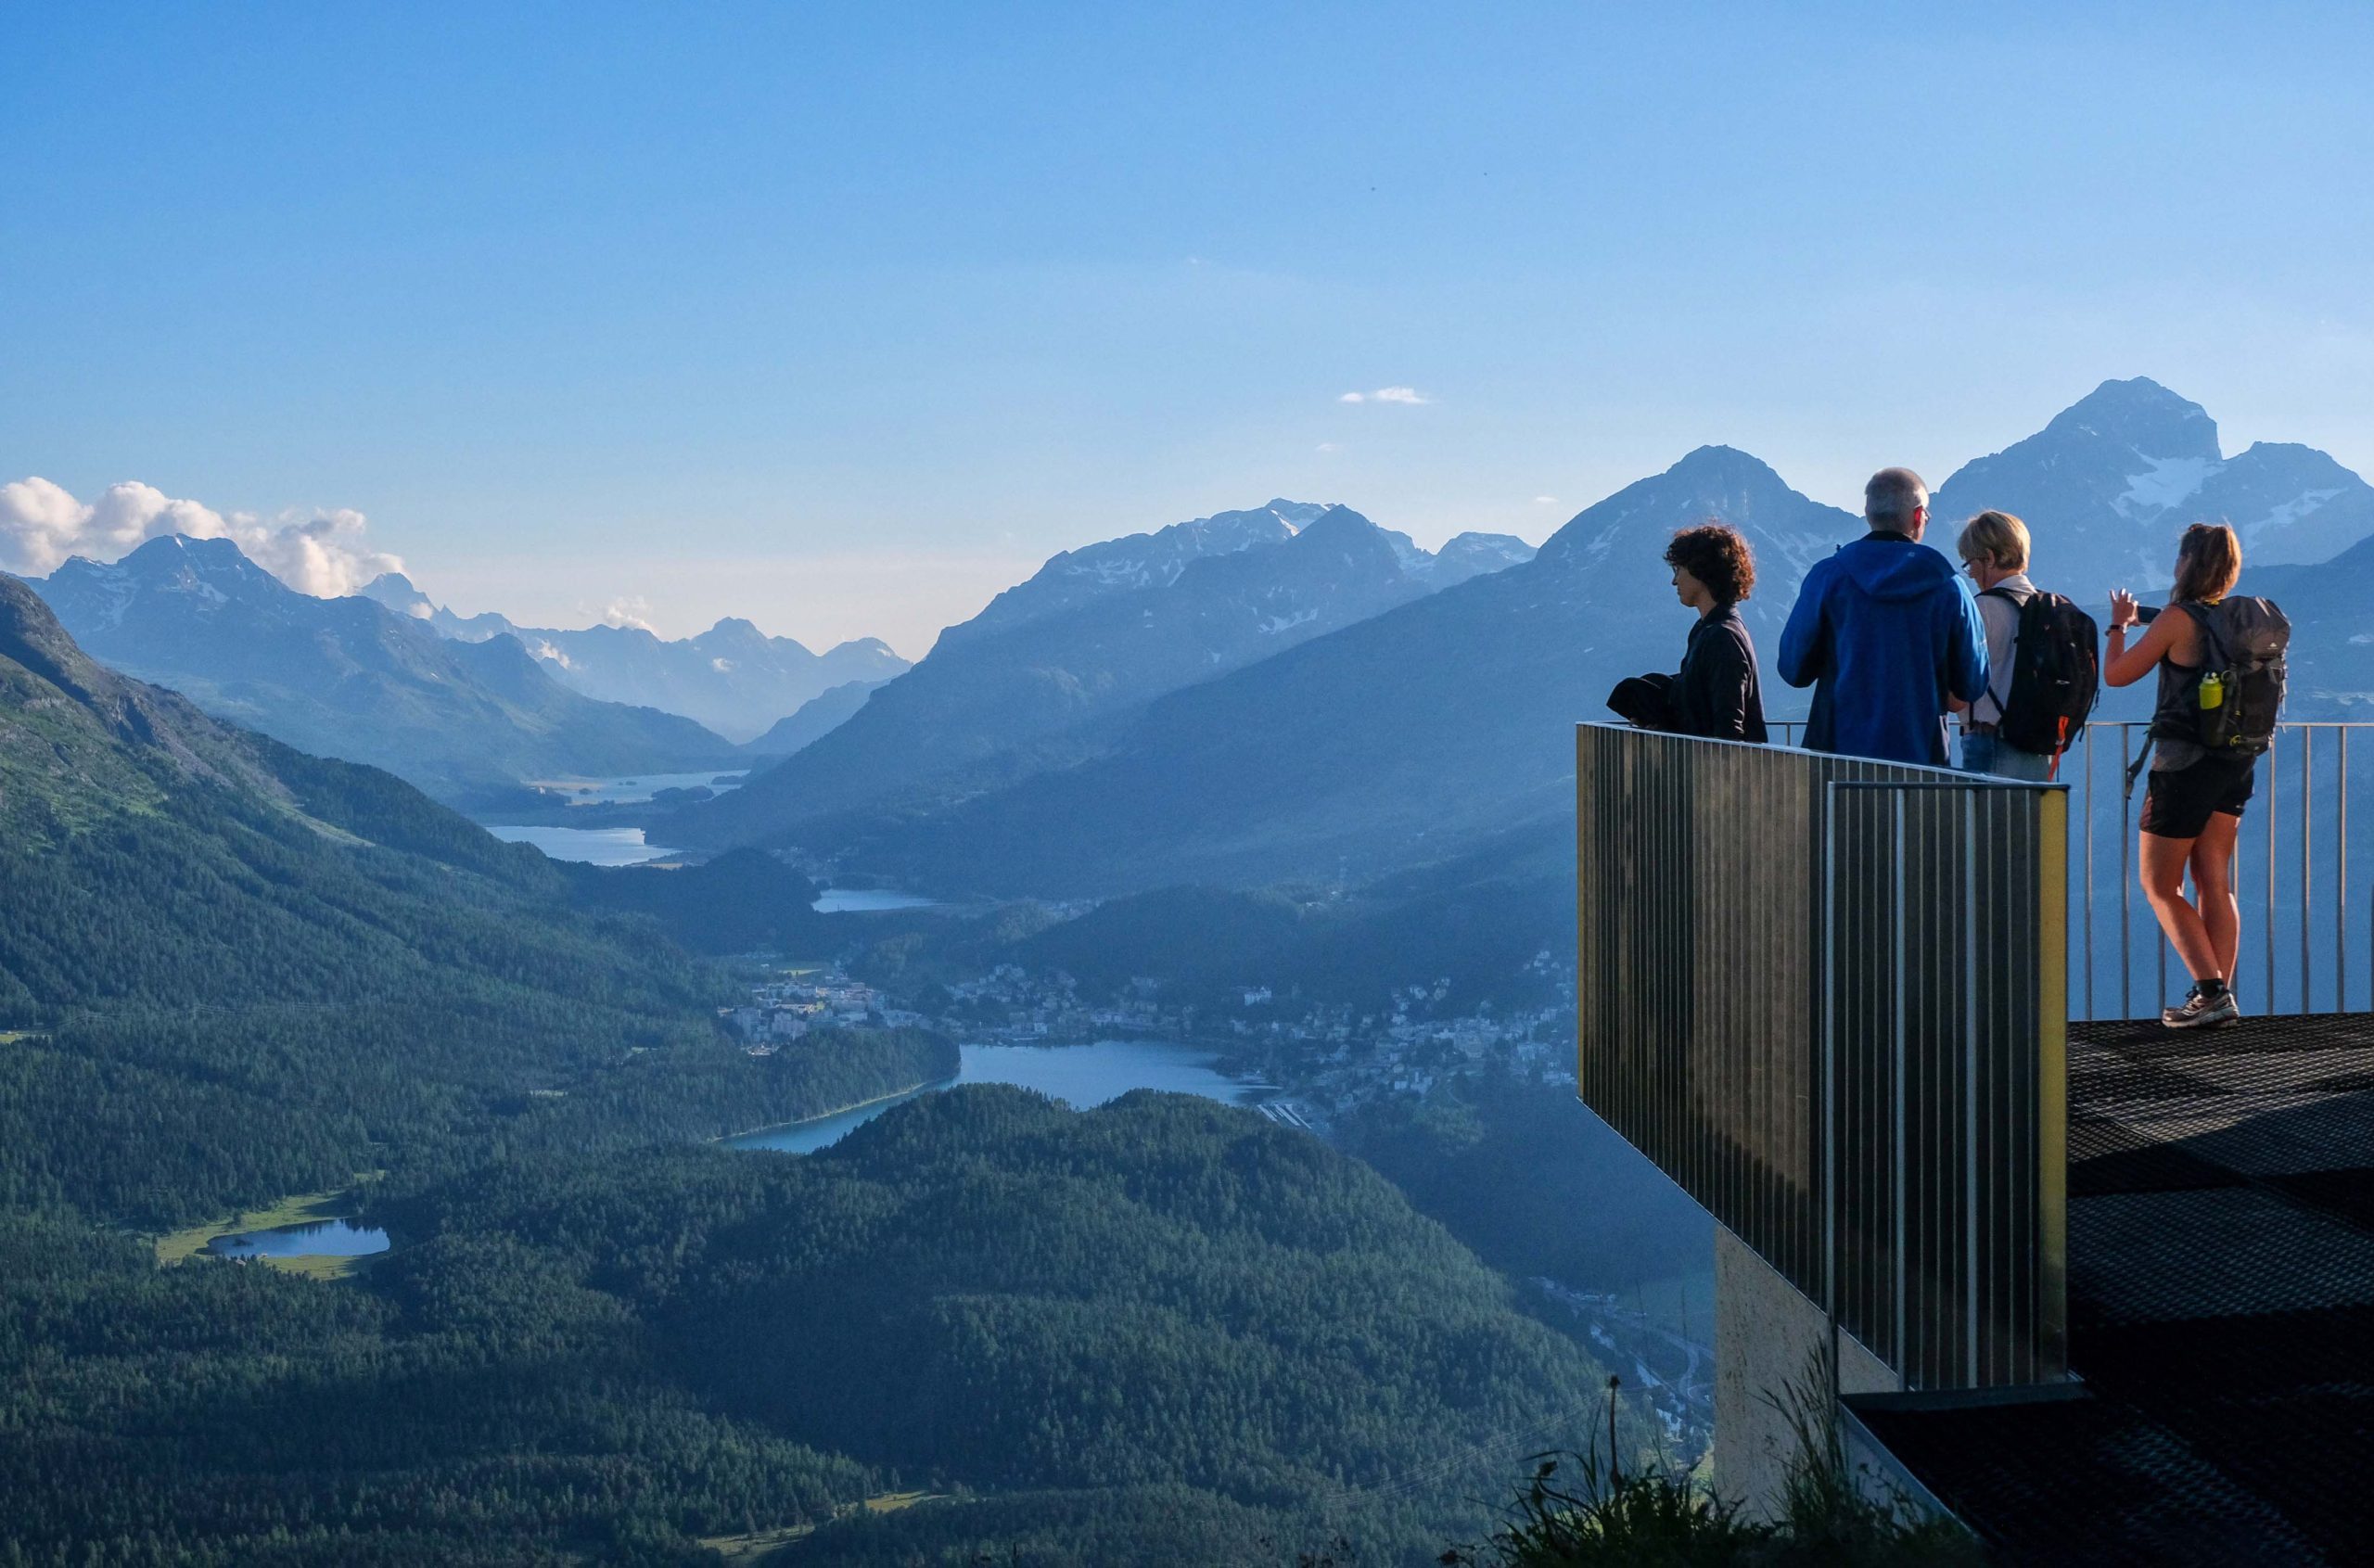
<point x="1885" y="631"/>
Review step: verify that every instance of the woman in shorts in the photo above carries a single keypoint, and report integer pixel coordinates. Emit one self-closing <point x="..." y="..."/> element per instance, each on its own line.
<point x="2192" y="809"/>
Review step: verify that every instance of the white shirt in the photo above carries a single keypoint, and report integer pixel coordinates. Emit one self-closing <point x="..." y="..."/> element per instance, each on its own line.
<point x="2001" y="619"/>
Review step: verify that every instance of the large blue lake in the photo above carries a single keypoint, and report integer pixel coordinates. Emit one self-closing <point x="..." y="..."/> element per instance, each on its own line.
<point x="1081" y="1075"/>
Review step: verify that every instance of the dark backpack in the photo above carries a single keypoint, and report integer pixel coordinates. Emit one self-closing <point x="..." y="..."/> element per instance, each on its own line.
<point x="2229" y="703"/>
<point x="2056" y="674"/>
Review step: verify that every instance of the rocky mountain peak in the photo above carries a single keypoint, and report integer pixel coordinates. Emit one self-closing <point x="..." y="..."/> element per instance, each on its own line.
<point x="1338" y="523"/>
<point x="2141" y="414"/>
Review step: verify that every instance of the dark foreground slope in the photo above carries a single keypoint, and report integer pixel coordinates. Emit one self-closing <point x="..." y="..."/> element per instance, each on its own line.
<point x="230" y="972"/>
<point x="1161" y="1332"/>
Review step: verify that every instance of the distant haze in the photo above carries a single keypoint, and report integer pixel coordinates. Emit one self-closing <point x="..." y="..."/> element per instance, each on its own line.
<point x="904" y="598"/>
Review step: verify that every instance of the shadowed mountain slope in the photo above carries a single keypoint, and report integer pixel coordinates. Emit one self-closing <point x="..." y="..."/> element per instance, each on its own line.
<point x="1078" y="648"/>
<point x="817" y="718"/>
<point x="348" y="678"/>
<point x="1402" y="739"/>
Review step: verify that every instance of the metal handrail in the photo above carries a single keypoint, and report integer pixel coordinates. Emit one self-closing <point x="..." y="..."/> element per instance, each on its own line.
<point x="2295" y="838"/>
<point x="2281" y="907"/>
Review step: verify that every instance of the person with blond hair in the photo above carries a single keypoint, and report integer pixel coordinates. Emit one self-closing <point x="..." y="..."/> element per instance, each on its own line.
<point x="2220" y="659"/>
<point x="1994" y="548"/>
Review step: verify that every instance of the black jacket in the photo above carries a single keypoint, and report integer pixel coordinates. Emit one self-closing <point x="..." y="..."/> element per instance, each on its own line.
<point x="1718" y="693"/>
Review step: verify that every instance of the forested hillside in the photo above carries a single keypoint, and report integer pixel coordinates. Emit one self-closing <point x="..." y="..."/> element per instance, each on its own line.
<point x="230" y="972"/>
<point x="985" y="1290"/>
<point x="1165" y="1322"/>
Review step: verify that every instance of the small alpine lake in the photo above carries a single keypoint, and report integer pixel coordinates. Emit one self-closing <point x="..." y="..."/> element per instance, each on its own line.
<point x="320" y="1238"/>
<point x="1082" y="1076"/>
<point x="593" y="846"/>
<point x="630" y="790"/>
<point x="869" y="900"/>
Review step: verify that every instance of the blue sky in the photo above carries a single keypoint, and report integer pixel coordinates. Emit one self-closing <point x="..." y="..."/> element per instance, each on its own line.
<point x="843" y="317"/>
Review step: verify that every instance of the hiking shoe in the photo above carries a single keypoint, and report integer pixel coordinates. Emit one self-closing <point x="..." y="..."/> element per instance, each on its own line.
<point x="2202" y="1012"/>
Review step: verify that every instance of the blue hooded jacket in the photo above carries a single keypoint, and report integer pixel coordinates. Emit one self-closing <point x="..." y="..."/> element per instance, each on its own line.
<point x="1889" y="630"/>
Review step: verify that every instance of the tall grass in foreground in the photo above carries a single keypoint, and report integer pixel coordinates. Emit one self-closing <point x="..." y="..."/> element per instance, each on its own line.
<point x="1579" y="1511"/>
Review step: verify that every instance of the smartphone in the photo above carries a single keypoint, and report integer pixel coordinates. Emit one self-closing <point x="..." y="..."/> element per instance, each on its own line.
<point x="2143" y="613"/>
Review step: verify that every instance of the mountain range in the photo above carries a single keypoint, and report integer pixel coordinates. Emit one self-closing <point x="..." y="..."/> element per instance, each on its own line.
<point x="1096" y="633"/>
<point x="2112" y="481"/>
<point x="1287" y="691"/>
<point x="1444" y="722"/>
<point x="1394" y="741"/>
<point x="734" y="679"/>
<point x="350" y="679"/>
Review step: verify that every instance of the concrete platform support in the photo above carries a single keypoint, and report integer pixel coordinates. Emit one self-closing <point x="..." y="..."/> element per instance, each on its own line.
<point x="1767" y="1337"/>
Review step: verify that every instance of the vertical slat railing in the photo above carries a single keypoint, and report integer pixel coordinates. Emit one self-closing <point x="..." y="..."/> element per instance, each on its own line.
<point x="1815" y="990"/>
<point x="2295" y="885"/>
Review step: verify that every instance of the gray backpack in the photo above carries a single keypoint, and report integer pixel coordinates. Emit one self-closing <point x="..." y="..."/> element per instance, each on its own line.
<point x="2229" y="704"/>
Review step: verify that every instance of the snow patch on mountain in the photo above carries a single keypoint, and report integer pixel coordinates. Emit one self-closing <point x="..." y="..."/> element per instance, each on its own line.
<point x="2165" y="482"/>
<point x="1414" y="559"/>
<point x="2284" y="516"/>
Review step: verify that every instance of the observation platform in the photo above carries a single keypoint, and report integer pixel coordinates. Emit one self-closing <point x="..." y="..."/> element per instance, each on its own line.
<point x="2220" y="1311"/>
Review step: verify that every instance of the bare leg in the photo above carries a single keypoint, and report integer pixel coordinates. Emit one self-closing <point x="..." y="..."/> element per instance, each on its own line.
<point x="2212" y="885"/>
<point x="2163" y="862"/>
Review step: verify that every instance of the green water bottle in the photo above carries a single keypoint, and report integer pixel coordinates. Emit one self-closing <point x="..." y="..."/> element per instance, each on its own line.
<point x="2212" y="690"/>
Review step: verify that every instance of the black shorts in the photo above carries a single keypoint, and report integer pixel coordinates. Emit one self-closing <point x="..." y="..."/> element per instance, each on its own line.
<point x="2177" y="804"/>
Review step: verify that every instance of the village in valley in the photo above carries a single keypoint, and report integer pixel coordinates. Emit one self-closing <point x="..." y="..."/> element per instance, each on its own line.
<point x="1311" y="1062"/>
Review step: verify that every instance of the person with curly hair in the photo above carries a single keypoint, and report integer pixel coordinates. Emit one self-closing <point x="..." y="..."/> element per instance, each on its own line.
<point x="1718" y="693"/>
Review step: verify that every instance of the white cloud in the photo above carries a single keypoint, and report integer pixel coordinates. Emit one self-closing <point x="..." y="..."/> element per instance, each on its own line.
<point x="1327" y="446"/>
<point x="633" y="613"/>
<point x="42" y="526"/>
<point x="1353" y="397"/>
<point x="1545" y="500"/>
<point x="1387" y="394"/>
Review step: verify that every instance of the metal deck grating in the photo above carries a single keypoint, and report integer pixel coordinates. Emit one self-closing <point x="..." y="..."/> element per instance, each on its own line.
<point x="2221" y="1295"/>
